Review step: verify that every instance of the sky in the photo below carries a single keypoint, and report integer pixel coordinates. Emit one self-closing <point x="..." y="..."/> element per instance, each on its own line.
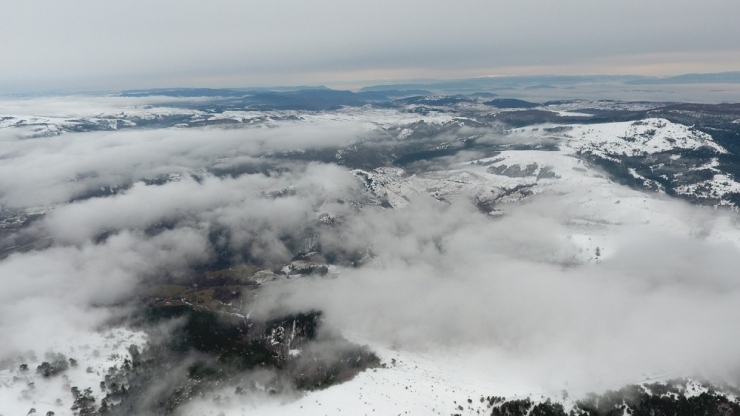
<point x="91" y="45"/>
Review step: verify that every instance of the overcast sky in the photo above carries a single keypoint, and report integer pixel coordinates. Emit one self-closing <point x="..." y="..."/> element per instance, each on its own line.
<point x="87" y="44"/>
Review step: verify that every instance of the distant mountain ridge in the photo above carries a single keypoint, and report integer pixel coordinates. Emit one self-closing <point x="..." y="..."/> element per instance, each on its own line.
<point x="715" y="78"/>
<point x="407" y="88"/>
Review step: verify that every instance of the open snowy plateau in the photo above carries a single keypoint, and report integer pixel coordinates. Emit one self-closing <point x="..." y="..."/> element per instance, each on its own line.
<point x="551" y="162"/>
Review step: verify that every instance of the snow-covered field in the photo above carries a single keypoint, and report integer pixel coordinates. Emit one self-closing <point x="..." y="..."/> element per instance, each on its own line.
<point x="624" y="138"/>
<point x="411" y="383"/>
<point x="23" y="390"/>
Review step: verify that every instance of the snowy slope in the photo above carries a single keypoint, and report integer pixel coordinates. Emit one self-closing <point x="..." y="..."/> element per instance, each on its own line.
<point x="411" y="383"/>
<point x="95" y="353"/>
<point x="641" y="140"/>
<point x="624" y="138"/>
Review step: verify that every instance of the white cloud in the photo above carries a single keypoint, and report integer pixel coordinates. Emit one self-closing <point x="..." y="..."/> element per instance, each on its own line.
<point x="50" y="295"/>
<point x="52" y="170"/>
<point x="660" y="301"/>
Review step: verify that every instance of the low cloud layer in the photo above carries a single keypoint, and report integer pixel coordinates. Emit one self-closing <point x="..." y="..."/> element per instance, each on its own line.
<point x="52" y="295"/>
<point x="451" y="277"/>
<point x="93" y="253"/>
<point x="52" y="170"/>
<point x="512" y="291"/>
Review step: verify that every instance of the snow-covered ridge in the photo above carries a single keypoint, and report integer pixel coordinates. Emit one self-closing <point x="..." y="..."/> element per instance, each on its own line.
<point x="609" y="141"/>
<point x="634" y="138"/>
<point x="655" y="148"/>
<point x="576" y="105"/>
